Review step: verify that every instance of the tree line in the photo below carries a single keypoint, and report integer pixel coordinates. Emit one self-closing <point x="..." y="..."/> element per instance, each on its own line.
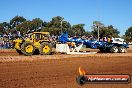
<point x="57" y="25"/>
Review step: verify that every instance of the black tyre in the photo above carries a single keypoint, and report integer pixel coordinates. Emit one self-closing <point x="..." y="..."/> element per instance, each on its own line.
<point x="45" y="48"/>
<point x="19" y="51"/>
<point x="122" y="49"/>
<point x="101" y="50"/>
<point x="114" y="49"/>
<point x="27" y="48"/>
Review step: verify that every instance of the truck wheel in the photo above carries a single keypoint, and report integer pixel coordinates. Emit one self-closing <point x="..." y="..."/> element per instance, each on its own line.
<point x="114" y="49"/>
<point x="101" y="50"/>
<point x="122" y="49"/>
<point x="45" y="48"/>
<point x="27" y="48"/>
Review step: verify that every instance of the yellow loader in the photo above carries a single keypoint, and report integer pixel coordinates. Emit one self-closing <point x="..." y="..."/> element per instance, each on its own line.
<point x="36" y="43"/>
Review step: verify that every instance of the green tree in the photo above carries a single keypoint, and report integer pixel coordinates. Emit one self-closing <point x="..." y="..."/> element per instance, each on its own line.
<point x="54" y="26"/>
<point x="97" y="25"/>
<point x="104" y="31"/>
<point x="87" y="33"/>
<point x="1" y="28"/>
<point x="78" y="29"/>
<point x="128" y="34"/>
<point x="25" y="27"/>
<point x="4" y="27"/>
<point x="37" y="24"/>
<point x="112" y="32"/>
<point x="17" y="20"/>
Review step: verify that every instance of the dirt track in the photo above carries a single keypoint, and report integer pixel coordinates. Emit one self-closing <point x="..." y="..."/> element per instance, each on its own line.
<point x="60" y="71"/>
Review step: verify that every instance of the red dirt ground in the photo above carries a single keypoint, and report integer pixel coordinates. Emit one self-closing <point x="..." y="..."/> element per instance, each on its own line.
<point x="60" y="71"/>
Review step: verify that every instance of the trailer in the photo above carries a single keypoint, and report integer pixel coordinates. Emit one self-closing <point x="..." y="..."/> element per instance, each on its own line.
<point x="116" y="45"/>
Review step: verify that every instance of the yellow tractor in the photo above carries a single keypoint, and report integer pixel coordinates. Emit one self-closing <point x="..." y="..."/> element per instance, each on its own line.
<point x="35" y="43"/>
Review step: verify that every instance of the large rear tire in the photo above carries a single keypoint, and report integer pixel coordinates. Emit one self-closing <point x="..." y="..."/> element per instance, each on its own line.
<point x="114" y="49"/>
<point x="19" y="51"/>
<point x="45" y="48"/>
<point x="27" y="48"/>
<point x="122" y="49"/>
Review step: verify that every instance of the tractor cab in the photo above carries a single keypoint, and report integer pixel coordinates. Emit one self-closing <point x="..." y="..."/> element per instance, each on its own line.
<point x="38" y="37"/>
<point x="41" y="36"/>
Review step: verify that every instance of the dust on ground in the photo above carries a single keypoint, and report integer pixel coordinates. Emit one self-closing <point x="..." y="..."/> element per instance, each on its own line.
<point x="60" y="71"/>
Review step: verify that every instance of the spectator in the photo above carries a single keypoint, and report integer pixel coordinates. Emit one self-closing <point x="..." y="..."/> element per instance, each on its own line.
<point x="0" y="45"/>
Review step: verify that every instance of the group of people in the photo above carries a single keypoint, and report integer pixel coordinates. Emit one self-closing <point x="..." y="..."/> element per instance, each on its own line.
<point x="5" y="43"/>
<point x="105" y="39"/>
<point x="7" y="38"/>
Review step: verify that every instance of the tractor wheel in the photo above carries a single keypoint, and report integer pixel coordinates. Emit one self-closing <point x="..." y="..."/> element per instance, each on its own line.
<point x="27" y="48"/>
<point x="122" y="49"/>
<point x="114" y="49"/>
<point x="19" y="51"/>
<point x="45" y="48"/>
